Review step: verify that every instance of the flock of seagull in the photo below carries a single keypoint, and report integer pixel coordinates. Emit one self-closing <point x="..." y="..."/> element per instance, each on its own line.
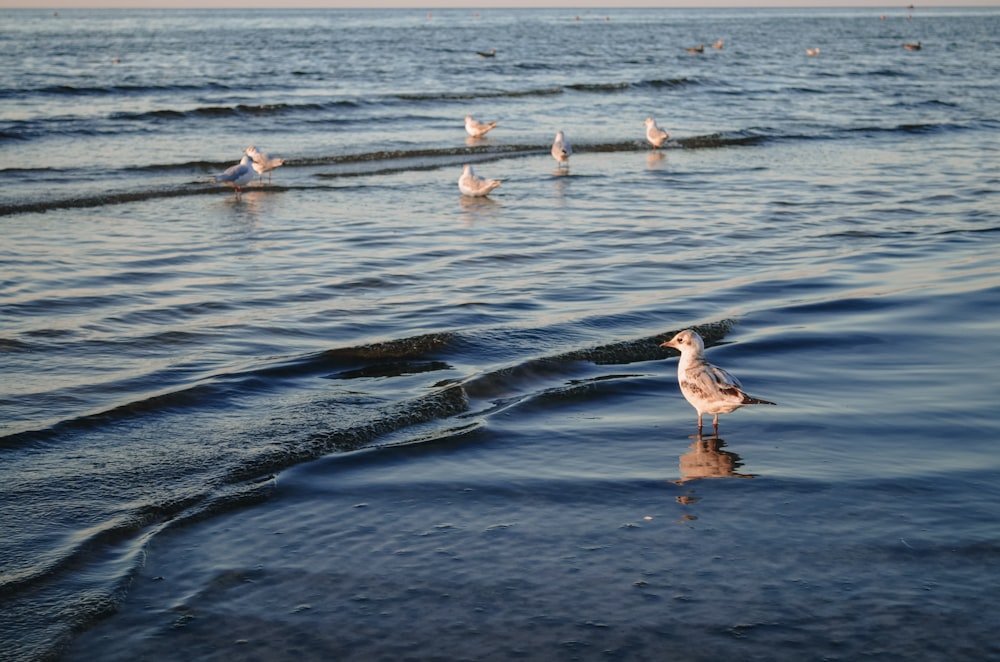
<point x="255" y="162"/>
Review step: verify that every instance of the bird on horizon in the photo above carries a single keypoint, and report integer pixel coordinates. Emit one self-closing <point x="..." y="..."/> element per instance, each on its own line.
<point x="913" y="47"/>
<point x="237" y="175"/>
<point x="561" y="149"/>
<point x="708" y="388"/>
<point x="491" y="53"/>
<point x="718" y="45"/>
<point x="812" y="51"/>
<point x="263" y="163"/>
<point x="477" y="129"/>
<point x="697" y="49"/>
<point x="474" y="186"/>
<point x="655" y="134"/>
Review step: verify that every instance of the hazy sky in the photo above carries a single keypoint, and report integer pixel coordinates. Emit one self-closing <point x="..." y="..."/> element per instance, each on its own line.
<point x="483" y="4"/>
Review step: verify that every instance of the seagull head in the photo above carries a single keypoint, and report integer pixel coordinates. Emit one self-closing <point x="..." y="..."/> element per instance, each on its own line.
<point x="686" y="341"/>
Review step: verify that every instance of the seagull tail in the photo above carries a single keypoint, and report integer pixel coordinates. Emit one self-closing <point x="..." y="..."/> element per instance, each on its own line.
<point x="750" y="400"/>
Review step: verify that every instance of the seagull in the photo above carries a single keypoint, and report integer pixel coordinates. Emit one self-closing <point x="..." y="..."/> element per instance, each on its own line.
<point x="561" y="149"/>
<point x="697" y="49"/>
<point x="474" y="186"/>
<point x="237" y="175"/>
<point x="718" y="45"/>
<point x="655" y="134"/>
<point x="812" y="51"/>
<point x="492" y="53"/>
<point x="708" y="388"/>
<point x="477" y="129"/>
<point x="263" y="163"/>
<point x="913" y="47"/>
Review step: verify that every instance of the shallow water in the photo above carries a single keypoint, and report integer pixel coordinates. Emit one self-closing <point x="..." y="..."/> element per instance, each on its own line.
<point x="352" y="414"/>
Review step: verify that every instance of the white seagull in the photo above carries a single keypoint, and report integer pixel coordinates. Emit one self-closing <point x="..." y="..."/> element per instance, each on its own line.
<point x="237" y="175"/>
<point x="708" y="388"/>
<point x="474" y="186"/>
<point x="655" y="134"/>
<point x="263" y="163"/>
<point x="477" y="129"/>
<point x="561" y="149"/>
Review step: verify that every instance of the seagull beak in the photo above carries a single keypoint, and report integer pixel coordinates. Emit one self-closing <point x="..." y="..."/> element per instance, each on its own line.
<point x="666" y="344"/>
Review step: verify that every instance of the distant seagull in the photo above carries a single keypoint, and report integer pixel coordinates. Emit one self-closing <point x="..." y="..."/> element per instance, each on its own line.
<point x="718" y="45"/>
<point x="474" y="186"/>
<point x="237" y="175"/>
<point x="697" y="49"/>
<point x="913" y="47"/>
<point x="263" y="163"/>
<point x="561" y="149"/>
<point x="812" y="51"/>
<point x="709" y="389"/>
<point x="492" y="53"/>
<point x="477" y="129"/>
<point x="655" y="134"/>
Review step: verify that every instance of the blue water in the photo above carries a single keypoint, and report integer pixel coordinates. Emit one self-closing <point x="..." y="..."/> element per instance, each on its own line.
<point x="352" y="414"/>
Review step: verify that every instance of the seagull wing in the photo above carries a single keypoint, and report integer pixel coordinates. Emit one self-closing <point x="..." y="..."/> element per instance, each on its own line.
<point x="721" y="377"/>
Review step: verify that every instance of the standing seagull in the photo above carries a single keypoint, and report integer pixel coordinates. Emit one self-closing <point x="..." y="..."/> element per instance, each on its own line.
<point x="237" y="175"/>
<point x="477" y="129"/>
<point x="655" y="134"/>
<point x="708" y="388"/>
<point x="263" y="163"/>
<point x="474" y="186"/>
<point x="561" y="149"/>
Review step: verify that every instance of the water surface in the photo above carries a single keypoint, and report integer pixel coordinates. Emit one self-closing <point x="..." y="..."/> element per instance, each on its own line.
<point x="351" y="414"/>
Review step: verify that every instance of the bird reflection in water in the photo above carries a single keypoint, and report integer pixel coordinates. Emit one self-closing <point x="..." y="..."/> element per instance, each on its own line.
<point x="708" y="459"/>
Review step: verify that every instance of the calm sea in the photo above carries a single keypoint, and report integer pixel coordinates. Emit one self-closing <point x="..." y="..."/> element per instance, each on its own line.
<point x="353" y="415"/>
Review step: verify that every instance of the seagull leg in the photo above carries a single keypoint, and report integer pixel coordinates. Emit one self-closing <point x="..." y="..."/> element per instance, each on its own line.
<point x="715" y="424"/>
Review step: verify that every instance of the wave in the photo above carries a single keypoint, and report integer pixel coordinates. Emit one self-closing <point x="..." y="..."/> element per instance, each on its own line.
<point x="392" y="358"/>
<point x="237" y="110"/>
<point x="109" y="90"/>
<point x="908" y="128"/>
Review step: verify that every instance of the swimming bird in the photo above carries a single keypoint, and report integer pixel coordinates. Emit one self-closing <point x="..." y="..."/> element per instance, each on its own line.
<point x="697" y="49"/>
<point x="812" y="51"/>
<point x="718" y="45"/>
<point x="263" y="163"/>
<point x="477" y="129"/>
<point x="708" y="388"/>
<point x="237" y="175"/>
<point x="474" y="186"/>
<point x="913" y="47"/>
<point x="492" y="53"/>
<point x="655" y="134"/>
<point x="561" y="149"/>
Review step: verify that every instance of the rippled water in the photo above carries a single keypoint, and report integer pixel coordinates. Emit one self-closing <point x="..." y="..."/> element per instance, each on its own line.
<point x="353" y="415"/>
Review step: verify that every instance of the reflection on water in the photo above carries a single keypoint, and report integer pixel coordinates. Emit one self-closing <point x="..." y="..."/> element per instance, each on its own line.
<point x="707" y="459"/>
<point x="477" y="208"/>
<point x="655" y="160"/>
